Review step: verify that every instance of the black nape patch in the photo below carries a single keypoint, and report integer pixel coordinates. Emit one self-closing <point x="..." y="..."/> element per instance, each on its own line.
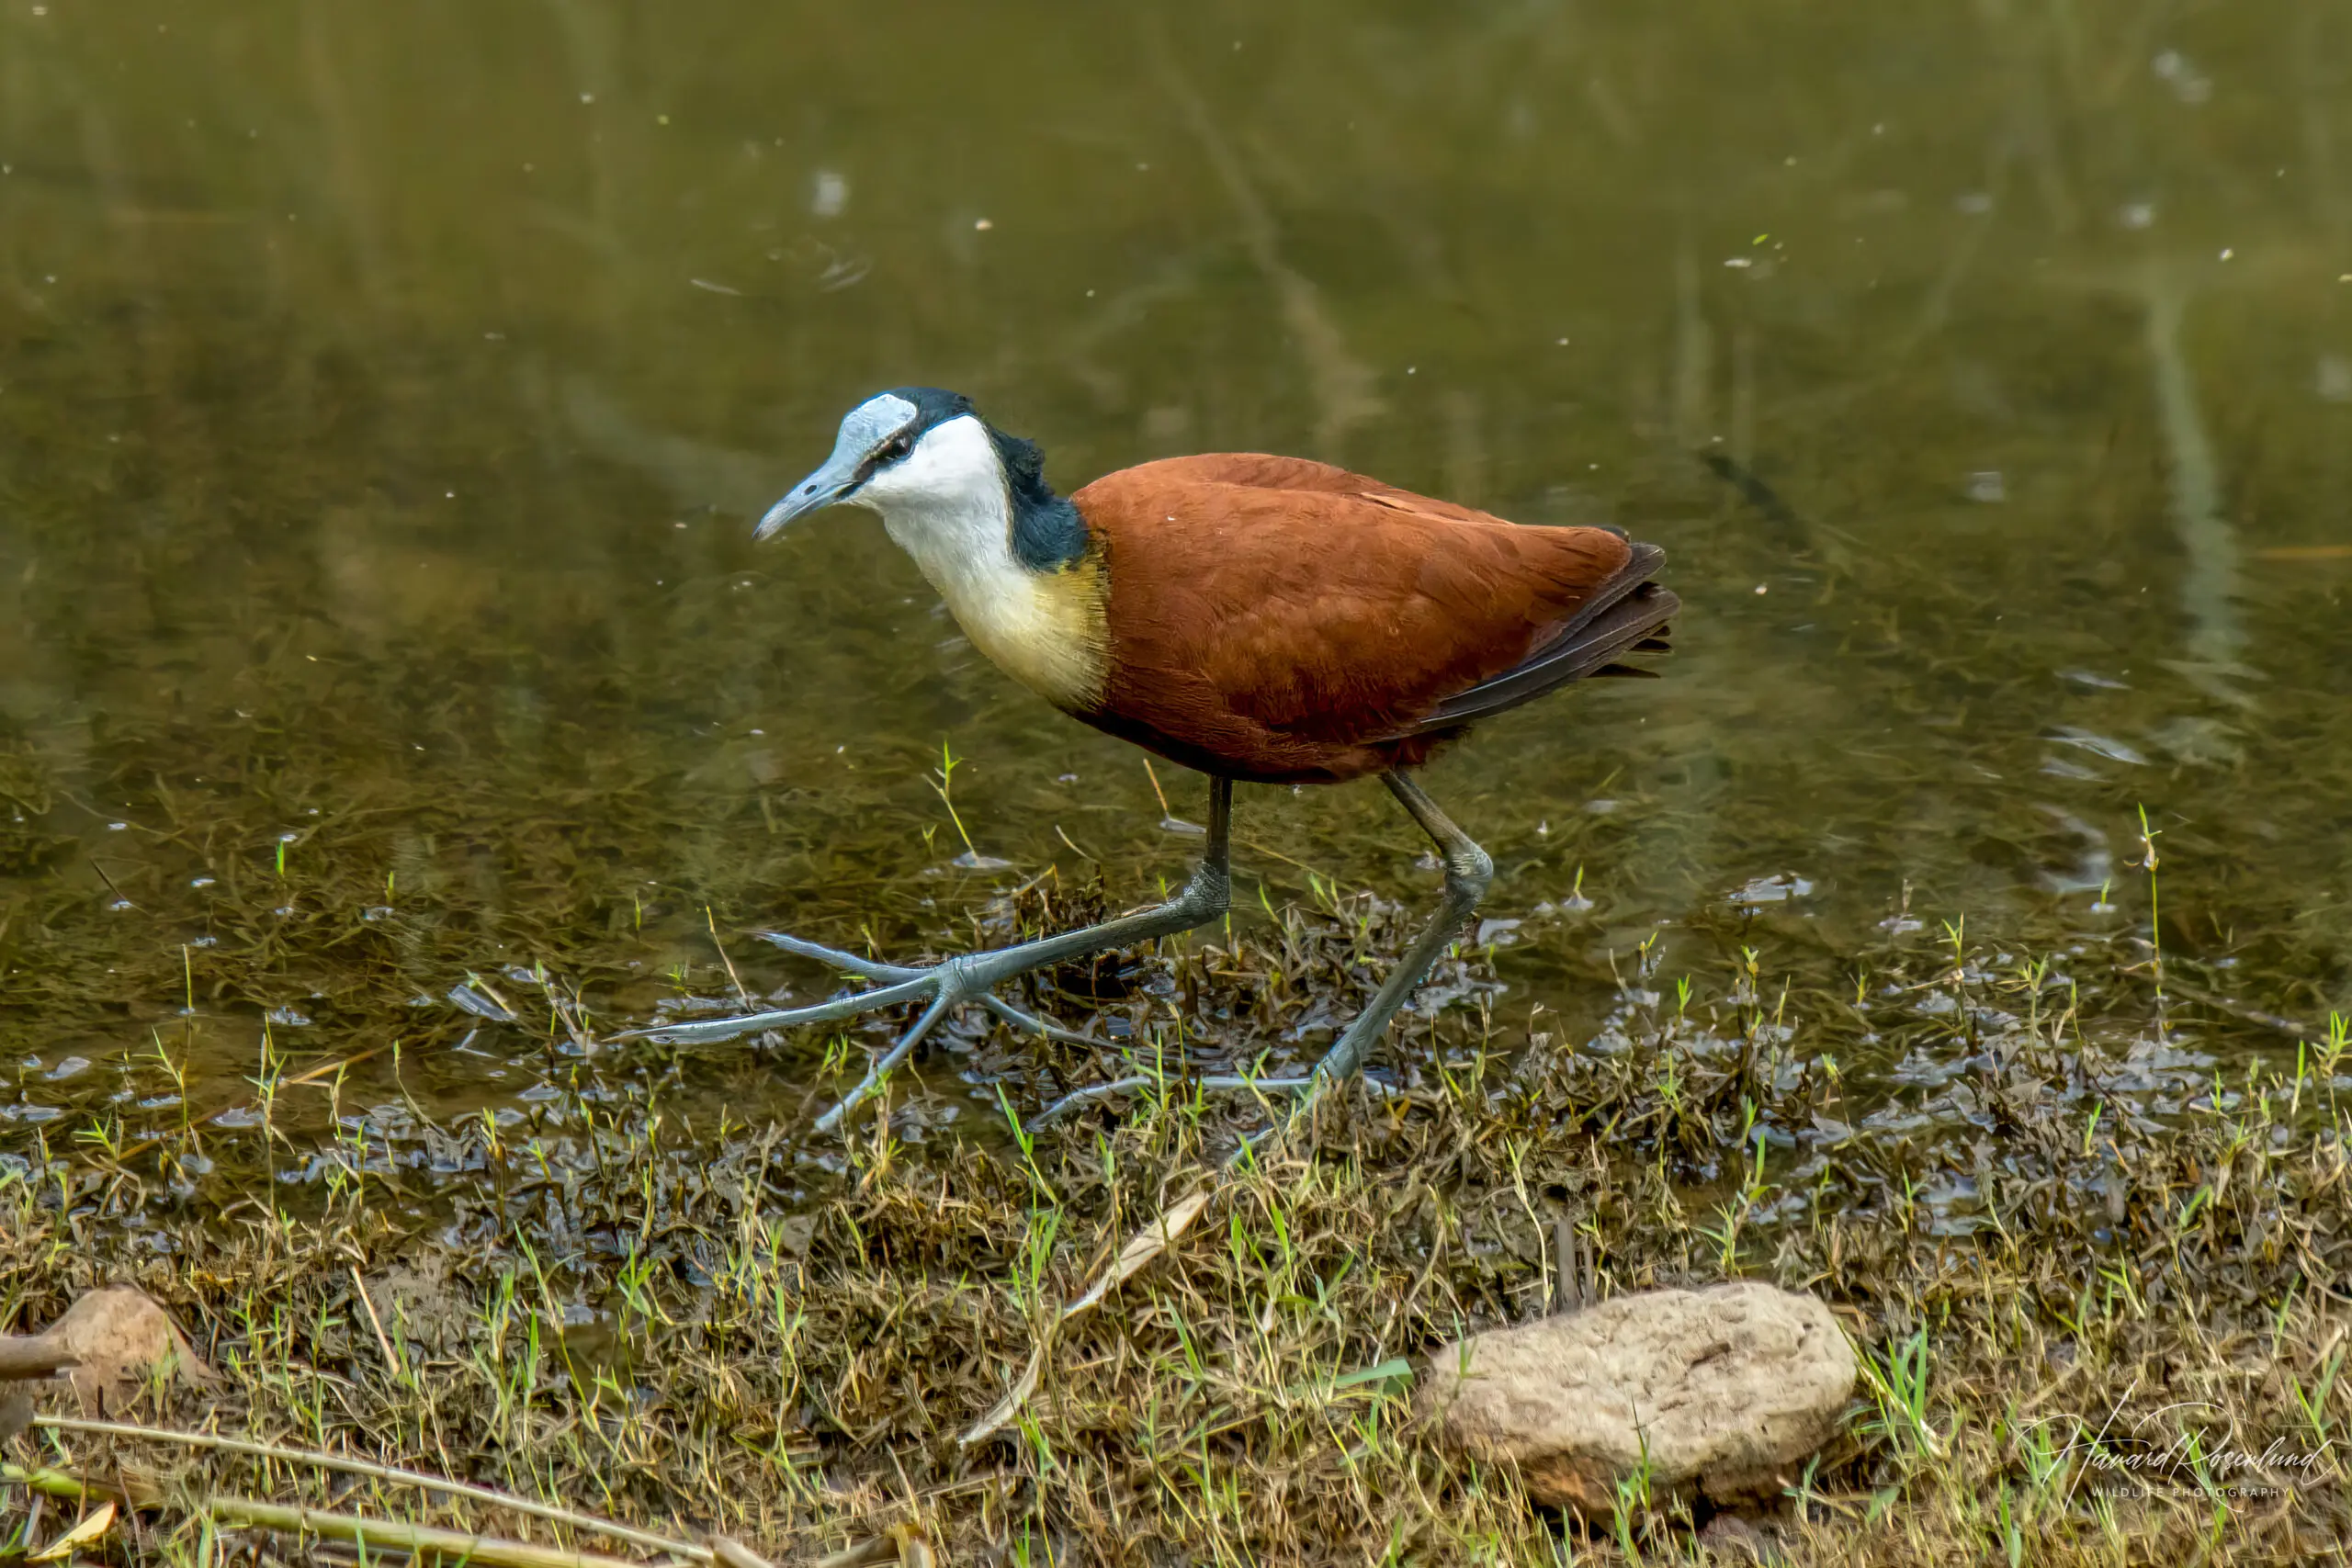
<point x="933" y="405"/>
<point x="1047" y="532"/>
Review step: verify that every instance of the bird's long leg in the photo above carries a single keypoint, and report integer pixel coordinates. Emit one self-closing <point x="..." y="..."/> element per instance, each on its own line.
<point x="1467" y="872"/>
<point x="971" y="977"/>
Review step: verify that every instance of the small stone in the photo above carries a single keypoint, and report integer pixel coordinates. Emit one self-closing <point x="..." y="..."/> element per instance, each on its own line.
<point x="1725" y="1391"/>
<point x="1730" y="1539"/>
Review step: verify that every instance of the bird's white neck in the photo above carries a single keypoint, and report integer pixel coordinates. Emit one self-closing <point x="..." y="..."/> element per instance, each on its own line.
<point x="946" y="505"/>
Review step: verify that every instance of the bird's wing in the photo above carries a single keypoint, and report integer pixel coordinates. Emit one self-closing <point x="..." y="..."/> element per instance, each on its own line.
<point x="1281" y="598"/>
<point x="1263" y="470"/>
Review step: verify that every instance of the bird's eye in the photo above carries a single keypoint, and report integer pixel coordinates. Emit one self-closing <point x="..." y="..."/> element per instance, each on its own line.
<point x="897" y="446"/>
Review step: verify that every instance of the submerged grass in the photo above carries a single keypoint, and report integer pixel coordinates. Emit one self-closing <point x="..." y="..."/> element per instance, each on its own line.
<point x="2096" y="1285"/>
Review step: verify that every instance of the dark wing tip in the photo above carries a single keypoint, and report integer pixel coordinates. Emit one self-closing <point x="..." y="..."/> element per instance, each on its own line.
<point x="1629" y="615"/>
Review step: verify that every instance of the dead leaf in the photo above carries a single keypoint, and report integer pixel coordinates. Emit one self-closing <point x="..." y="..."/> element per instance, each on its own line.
<point x="93" y="1528"/>
<point x="1142" y="1247"/>
<point x="1145" y="1245"/>
<point x="1014" y="1398"/>
<point x="794" y="1233"/>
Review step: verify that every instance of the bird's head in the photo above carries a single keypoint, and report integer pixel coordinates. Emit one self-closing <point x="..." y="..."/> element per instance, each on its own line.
<point x="910" y="448"/>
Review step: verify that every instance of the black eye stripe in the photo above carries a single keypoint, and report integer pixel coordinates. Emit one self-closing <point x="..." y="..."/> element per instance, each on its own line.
<point x="888" y="452"/>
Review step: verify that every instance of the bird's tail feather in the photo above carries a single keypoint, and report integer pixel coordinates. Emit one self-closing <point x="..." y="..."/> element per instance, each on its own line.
<point x="1628" y="616"/>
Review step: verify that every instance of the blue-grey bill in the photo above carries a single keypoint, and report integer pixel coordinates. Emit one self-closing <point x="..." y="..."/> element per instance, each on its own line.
<point x="814" y="493"/>
<point x="864" y="428"/>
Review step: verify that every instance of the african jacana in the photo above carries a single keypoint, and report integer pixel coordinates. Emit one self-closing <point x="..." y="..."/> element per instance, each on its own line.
<point x="1266" y="620"/>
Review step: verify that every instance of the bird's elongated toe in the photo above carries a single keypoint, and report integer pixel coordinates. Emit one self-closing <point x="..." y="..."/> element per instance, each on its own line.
<point x="973" y="976"/>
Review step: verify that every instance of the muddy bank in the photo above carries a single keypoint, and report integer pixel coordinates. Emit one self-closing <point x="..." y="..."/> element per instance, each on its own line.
<point x="2093" y="1283"/>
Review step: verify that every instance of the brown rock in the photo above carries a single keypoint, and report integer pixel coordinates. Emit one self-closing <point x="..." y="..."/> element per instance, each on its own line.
<point x="114" y="1337"/>
<point x="1725" y="1390"/>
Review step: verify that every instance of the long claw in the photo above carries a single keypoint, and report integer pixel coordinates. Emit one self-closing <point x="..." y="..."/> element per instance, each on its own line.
<point x="873" y="969"/>
<point x="1078" y="1099"/>
<point x="1035" y="1025"/>
<point x="848" y="962"/>
<point x="907" y="982"/>
<point x="709" y="1030"/>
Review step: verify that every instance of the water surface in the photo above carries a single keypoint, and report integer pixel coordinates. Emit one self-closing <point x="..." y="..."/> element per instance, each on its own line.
<point x="385" y="397"/>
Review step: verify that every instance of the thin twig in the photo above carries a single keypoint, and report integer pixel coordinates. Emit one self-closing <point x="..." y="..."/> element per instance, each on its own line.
<point x="492" y="1550"/>
<point x="383" y="1341"/>
<point x="733" y="1553"/>
<point x="1167" y="817"/>
<point x="1149" y="773"/>
<point x="548" y="1511"/>
<point x="741" y="995"/>
<point x="1142" y="1247"/>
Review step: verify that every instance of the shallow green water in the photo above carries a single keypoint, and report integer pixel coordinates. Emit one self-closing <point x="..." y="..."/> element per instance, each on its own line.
<point x="385" y="395"/>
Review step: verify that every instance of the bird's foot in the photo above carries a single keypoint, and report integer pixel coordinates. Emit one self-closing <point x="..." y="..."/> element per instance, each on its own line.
<point x="971" y="977"/>
<point x="962" y="973"/>
<point x="1307" y="1090"/>
<point x="967" y="979"/>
